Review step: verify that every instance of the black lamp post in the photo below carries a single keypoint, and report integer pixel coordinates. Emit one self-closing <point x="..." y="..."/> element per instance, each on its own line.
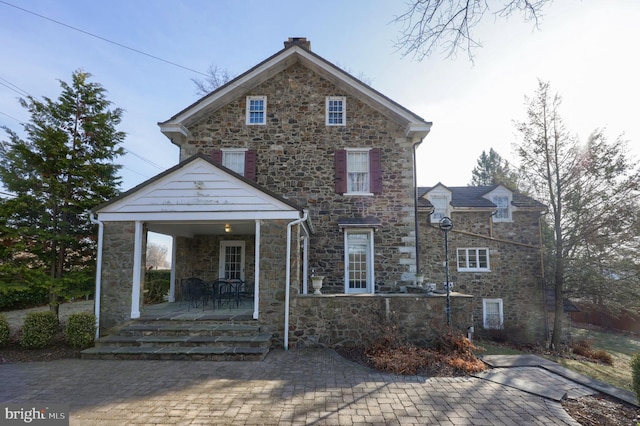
<point x="446" y="225"/>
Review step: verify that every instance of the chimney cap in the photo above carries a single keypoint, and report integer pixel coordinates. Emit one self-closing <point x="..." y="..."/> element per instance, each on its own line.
<point x="298" y="41"/>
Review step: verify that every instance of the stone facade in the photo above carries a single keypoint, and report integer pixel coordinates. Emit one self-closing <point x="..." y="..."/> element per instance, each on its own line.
<point x="515" y="274"/>
<point x="117" y="274"/>
<point x="352" y="320"/>
<point x="295" y="159"/>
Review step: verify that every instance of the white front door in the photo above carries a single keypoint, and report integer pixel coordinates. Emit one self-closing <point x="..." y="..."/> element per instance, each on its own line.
<point x="231" y="260"/>
<point x="359" y="261"/>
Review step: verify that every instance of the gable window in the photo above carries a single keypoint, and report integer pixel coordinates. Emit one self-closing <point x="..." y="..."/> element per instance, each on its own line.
<point x="492" y="313"/>
<point x="358" y="171"/>
<point x="256" y="109"/>
<point x="503" y="214"/>
<point x="440" y="207"/>
<point x="240" y="160"/>
<point x="336" y="111"/>
<point x="473" y="259"/>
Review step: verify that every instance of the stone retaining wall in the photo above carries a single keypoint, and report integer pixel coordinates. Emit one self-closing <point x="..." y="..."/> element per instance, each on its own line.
<point x="351" y="320"/>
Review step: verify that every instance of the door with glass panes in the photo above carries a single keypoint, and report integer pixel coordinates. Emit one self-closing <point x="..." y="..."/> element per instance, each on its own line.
<point x="231" y="260"/>
<point x="358" y="261"/>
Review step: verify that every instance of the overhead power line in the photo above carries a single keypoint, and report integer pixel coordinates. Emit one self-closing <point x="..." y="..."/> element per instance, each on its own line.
<point x="145" y="160"/>
<point x="103" y="39"/>
<point x="13" y="87"/>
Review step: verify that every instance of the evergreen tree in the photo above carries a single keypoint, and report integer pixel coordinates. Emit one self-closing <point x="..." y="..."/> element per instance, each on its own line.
<point x="492" y="169"/>
<point x="63" y="168"/>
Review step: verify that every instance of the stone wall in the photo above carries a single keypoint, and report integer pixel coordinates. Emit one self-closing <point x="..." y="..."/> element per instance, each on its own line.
<point x="352" y="320"/>
<point x="117" y="274"/>
<point x="295" y="159"/>
<point x="515" y="273"/>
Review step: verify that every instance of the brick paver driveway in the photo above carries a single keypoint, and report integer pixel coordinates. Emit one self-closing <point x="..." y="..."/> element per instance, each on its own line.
<point x="290" y="387"/>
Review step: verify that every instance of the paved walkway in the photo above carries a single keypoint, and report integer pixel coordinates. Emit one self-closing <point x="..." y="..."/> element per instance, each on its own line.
<point x="300" y="387"/>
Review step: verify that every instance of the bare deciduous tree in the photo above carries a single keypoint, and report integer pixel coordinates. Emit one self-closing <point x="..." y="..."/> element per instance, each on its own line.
<point x="157" y="255"/>
<point x="429" y="24"/>
<point x="215" y="78"/>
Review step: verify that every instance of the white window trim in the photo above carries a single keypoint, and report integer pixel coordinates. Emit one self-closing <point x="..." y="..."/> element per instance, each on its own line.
<point x="440" y="194"/>
<point x="465" y="269"/>
<point x="509" y="218"/>
<point x="484" y="313"/>
<point x="248" y="112"/>
<point x="221" y="259"/>
<point x="344" y="110"/>
<point x="365" y="193"/>
<point x="371" y="273"/>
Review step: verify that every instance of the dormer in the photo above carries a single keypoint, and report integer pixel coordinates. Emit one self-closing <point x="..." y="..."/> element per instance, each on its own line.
<point x="440" y="198"/>
<point x="502" y="197"/>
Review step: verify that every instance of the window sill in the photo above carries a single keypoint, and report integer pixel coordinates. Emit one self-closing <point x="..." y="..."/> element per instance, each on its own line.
<point x="474" y="270"/>
<point x="358" y="194"/>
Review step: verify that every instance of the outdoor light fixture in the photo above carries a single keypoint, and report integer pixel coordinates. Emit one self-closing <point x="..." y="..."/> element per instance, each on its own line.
<point x="446" y="225"/>
<point x="227" y="227"/>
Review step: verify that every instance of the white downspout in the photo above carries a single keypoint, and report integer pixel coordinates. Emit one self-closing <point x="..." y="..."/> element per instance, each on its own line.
<point x="96" y="297"/>
<point x="288" y="278"/>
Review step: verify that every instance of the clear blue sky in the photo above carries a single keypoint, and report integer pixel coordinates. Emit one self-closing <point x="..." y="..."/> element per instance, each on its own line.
<point x="587" y="49"/>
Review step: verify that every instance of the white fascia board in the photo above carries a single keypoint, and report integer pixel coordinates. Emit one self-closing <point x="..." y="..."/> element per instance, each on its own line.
<point x="417" y="131"/>
<point x="199" y="216"/>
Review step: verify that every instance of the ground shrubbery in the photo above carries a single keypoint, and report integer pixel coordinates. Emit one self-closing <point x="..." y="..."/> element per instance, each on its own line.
<point x="157" y="283"/>
<point x="39" y="329"/>
<point x="452" y="353"/>
<point x="4" y="330"/>
<point x="81" y="330"/>
<point x="584" y="348"/>
<point x="635" y="374"/>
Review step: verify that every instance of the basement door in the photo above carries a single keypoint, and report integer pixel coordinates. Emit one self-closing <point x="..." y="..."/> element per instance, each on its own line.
<point x="231" y="260"/>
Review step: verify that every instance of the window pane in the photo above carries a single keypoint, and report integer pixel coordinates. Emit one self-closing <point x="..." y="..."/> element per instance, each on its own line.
<point x="335" y="111"/>
<point x="234" y="161"/>
<point x="462" y="259"/>
<point x="357" y="171"/>
<point x="503" y="207"/>
<point x="473" y="260"/>
<point x="483" y="259"/>
<point x="256" y="111"/>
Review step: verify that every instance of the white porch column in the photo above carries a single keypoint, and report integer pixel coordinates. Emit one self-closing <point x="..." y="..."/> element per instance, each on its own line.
<point x="137" y="267"/>
<point x="172" y="284"/>
<point x="305" y="264"/>
<point x="256" y="289"/>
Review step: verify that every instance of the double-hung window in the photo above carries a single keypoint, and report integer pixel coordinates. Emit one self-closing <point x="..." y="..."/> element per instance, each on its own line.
<point x="492" y="313"/>
<point x="358" y="171"/>
<point x="256" y="110"/>
<point x="440" y="207"/>
<point x="473" y="260"/>
<point x="336" y="111"/>
<point x="503" y="214"/>
<point x="234" y="159"/>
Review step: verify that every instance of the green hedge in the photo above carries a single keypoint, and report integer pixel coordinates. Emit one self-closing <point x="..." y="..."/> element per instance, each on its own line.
<point x="4" y="330"/>
<point x="39" y="329"/>
<point x="157" y="283"/>
<point x="635" y="373"/>
<point x="81" y="330"/>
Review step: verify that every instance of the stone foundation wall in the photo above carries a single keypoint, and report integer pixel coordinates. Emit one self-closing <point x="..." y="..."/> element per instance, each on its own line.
<point x="350" y="320"/>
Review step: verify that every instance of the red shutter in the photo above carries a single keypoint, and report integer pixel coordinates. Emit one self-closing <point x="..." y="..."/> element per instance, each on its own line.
<point x="375" y="170"/>
<point x="250" y="164"/>
<point x="216" y="156"/>
<point x="340" y="163"/>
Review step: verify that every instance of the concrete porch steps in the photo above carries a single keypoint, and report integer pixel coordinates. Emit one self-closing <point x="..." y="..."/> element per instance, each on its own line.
<point x="184" y="339"/>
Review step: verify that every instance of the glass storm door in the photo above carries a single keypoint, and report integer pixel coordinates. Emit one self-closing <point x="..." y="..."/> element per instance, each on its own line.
<point x="358" y="253"/>
<point x="231" y="260"/>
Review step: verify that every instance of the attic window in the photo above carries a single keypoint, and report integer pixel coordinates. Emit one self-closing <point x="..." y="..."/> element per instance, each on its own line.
<point x="256" y="110"/>
<point x="336" y="111"/>
<point x="440" y="204"/>
<point x="503" y="214"/>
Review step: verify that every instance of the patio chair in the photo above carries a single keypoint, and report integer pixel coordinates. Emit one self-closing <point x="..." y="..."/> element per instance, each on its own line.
<point x="228" y="292"/>
<point x="193" y="292"/>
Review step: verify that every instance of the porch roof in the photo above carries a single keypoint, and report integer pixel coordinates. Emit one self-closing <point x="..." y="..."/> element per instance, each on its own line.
<point x="198" y="193"/>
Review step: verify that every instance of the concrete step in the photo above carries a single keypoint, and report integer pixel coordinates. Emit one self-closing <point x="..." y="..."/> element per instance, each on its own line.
<point x="196" y="353"/>
<point x="191" y="328"/>
<point x="252" y="340"/>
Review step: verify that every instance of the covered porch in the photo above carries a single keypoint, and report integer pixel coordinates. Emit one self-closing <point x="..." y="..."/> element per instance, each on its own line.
<point x="220" y="224"/>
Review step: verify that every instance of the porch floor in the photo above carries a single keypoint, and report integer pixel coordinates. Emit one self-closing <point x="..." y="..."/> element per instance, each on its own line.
<point x="182" y="312"/>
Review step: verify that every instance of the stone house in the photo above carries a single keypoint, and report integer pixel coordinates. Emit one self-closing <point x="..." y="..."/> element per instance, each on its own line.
<point x="294" y="168"/>
<point x="494" y="254"/>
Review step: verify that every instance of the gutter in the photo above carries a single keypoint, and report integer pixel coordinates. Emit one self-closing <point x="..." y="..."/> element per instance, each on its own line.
<point x="287" y="296"/>
<point x="96" y="298"/>
<point x="415" y="203"/>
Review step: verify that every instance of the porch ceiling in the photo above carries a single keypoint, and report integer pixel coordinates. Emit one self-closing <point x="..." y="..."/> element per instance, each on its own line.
<point x="190" y="229"/>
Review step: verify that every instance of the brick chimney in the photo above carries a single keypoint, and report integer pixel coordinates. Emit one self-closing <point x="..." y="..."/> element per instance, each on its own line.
<point x="298" y="41"/>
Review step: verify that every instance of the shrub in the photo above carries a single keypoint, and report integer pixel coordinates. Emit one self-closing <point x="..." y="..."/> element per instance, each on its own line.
<point x="4" y="330"/>
<point x="81" y="330"/>
<point x="157" y="283"/>
<point x="584" y="348"/>
<point x="39" y="329"/>
<point x="635" y="374"/>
